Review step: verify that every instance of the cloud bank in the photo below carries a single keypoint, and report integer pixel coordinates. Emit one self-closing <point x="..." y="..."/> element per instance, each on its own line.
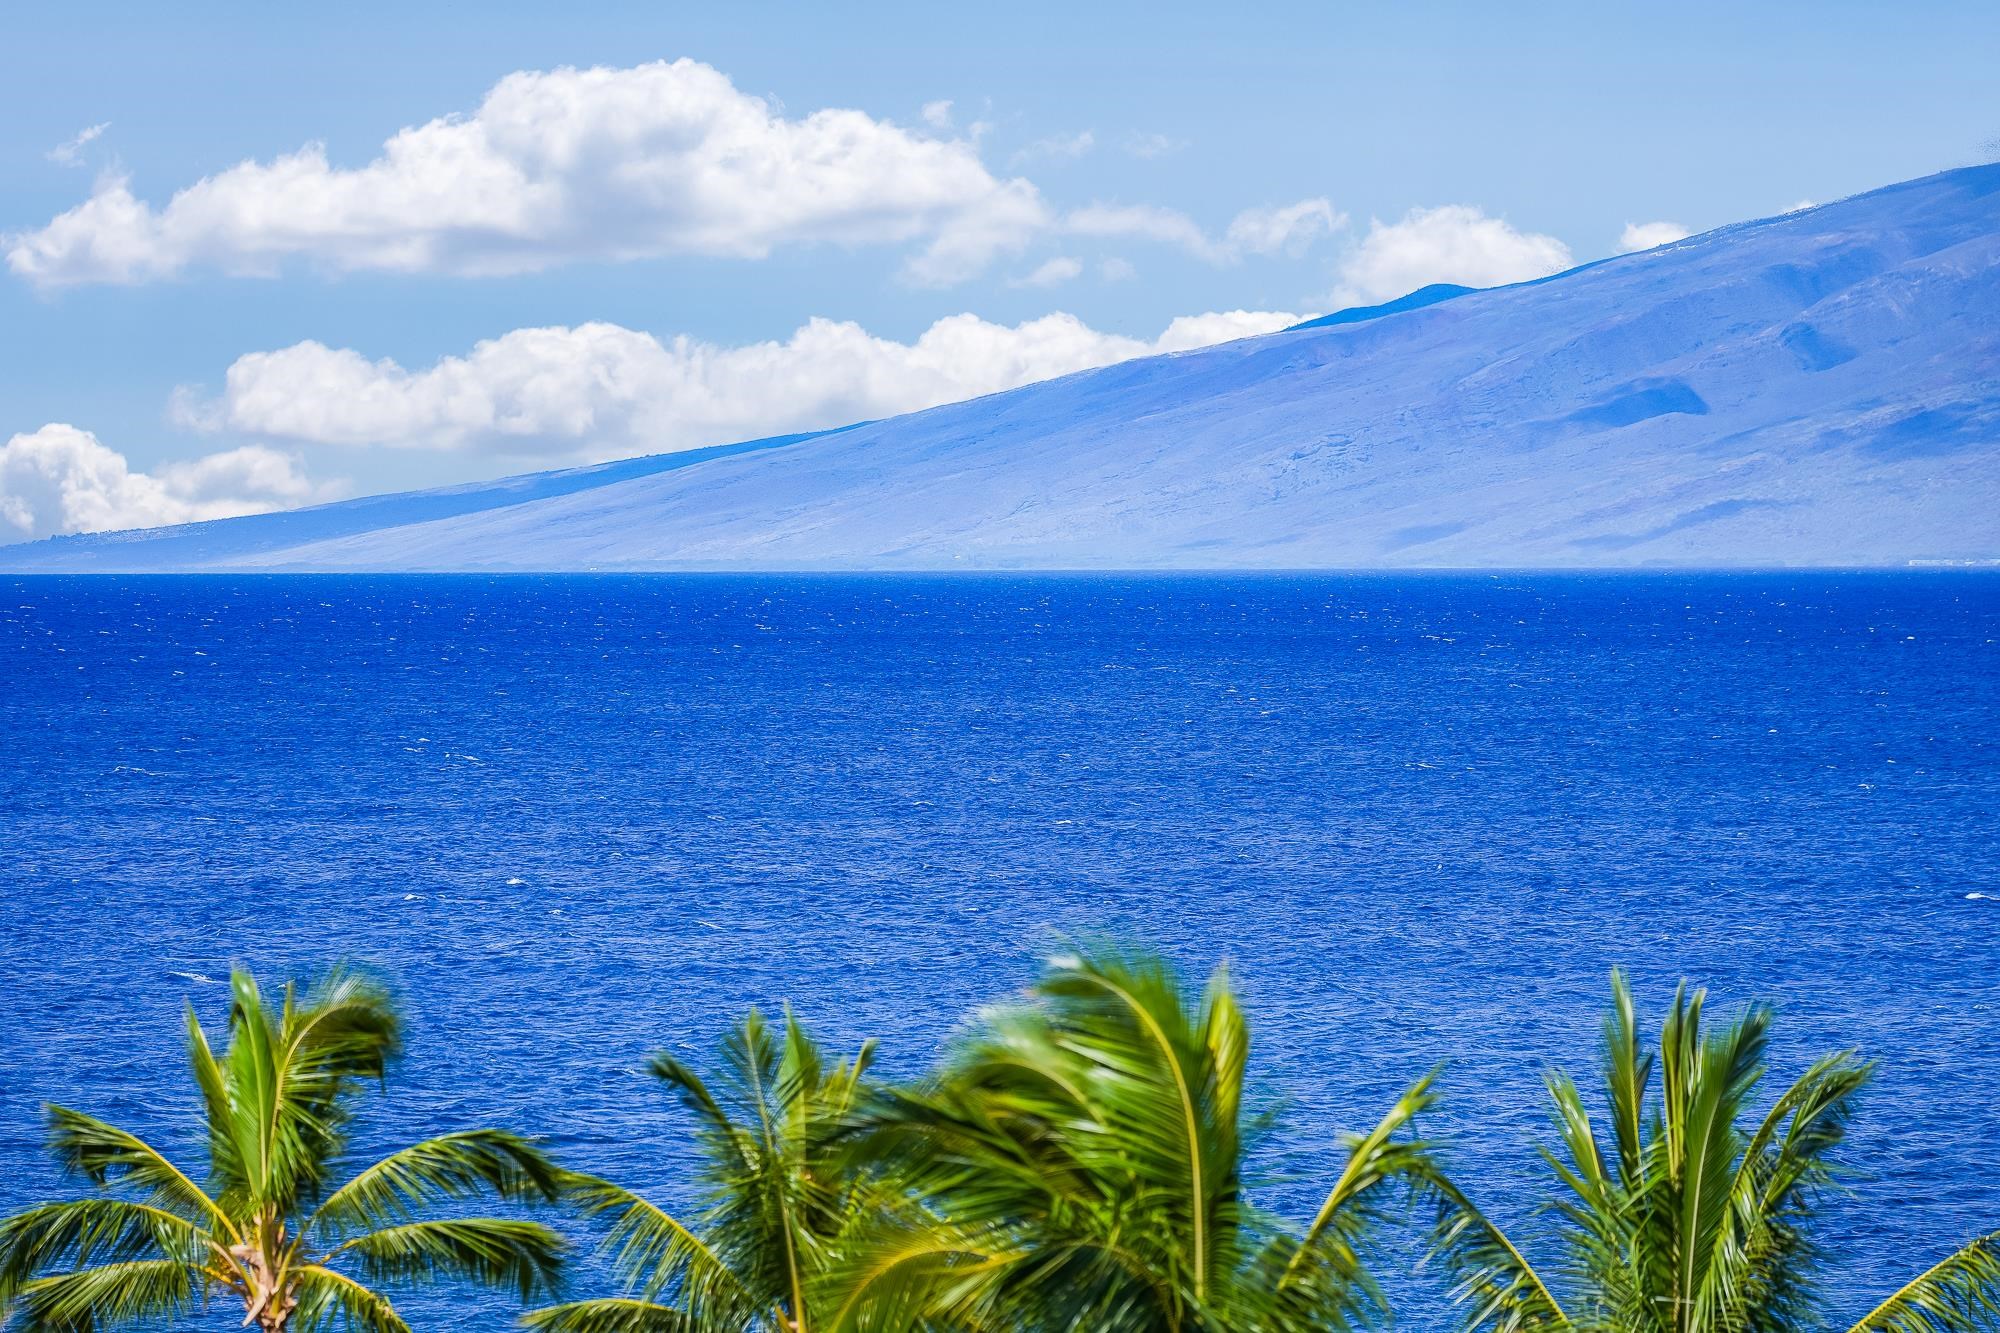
<point x="672" y="159"/>
<point x="661" y="159"/>
<point x="1456" y="243"/>
<point x="60" y="479"/>
<point x="1290" y="230"/>
<point x="1646" y="235"/>
<point x="598" y="391"/>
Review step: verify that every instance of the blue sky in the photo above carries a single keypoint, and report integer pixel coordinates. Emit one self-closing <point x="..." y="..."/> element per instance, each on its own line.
<point x="1125" y="166"/>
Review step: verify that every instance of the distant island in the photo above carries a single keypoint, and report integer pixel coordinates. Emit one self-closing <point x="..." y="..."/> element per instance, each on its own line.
<point x="1814" y="389"/>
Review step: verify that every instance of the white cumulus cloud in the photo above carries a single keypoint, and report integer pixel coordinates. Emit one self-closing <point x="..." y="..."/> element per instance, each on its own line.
<point x="60" y="479"/>
<point x="1053" y="273"/>
<point x="1646" y="235"/>
<point x="1149" y="146"/>
<point x="1220" y="326"/>
<point x="1290" y="229"/>
<point x="70" y="152"/>
<point x="1456" y="243"/>
<point x="1147" y="222"/>
<point x="1058" y="147"/>
<point x="603" y="391"/>
<point x="661" y="159"/>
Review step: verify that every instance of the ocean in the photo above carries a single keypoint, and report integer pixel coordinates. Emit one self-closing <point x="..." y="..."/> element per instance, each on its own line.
<point x="577" y="819"/>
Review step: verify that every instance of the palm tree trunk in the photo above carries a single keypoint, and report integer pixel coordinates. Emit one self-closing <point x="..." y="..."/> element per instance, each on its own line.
<point x="264" y="1304"/>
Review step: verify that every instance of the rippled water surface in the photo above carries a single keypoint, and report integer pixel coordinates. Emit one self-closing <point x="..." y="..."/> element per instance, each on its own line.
<point x="578" y="819"/>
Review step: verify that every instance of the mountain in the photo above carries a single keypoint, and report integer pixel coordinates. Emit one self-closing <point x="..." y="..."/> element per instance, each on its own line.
<point x="1821" y="388"/>
<point x="1416" y="300"/>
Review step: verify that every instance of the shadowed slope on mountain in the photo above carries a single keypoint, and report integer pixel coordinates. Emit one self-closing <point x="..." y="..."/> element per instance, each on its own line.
<point x="1416" y="300"/>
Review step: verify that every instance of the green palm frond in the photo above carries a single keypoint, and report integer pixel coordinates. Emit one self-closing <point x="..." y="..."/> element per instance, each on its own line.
<point x="1959" y="1294"/>
<point x="721" y="1137"/>
<point x="904" y="1272"/>
<point x="329" y="1300"/>
<point x="779" y="1192"/>
<point x="253" y="1105"/>
<point x="499" y="1252"/>
<point x="82" y="1232"/>
<point x="1713" y="1268"/>
<point x="1695" y="1215"/>
<point x="1375" y="1159"/>
<point x="448" y="1167"/>
<point x="1321" y="1274"/>
<point x="344" y="1030"/>
<point x="801" y="1070"/>
<point x="1628" y="1071"/>
<point x="1498" y="1288"/>
<point x="277" y="1102"/>
<point x="107" y="1155"/>
<point x="212" y="1078"/>
<point x="1011" y="1144"/>
<point x="1154" y="1078"/>
<point x="1080" y="1156"/>
<point x="1808" y="1123"/>
<point x="783" y="1199"/>
<point x="652" y="1250"/>
<point x="758" y="1216"/>
<point x="286" y="1073"/>
<point x="1599" y="1206"/>
<point x="1115" y="1046"/>
<point x="612" y="1314"/>
<point x="1787" y="1165"/>
<point x="103" y="1295"/>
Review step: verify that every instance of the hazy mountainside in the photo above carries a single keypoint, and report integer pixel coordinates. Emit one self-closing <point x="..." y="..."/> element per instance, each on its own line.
<point x="1817" y="388"/>
<point x="193" y="545"/>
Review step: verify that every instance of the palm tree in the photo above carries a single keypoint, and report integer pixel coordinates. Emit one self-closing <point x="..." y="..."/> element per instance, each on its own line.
<point x="1692" y="1215"/>
<point x="1086" y="1150"/>
<point x="779" y="1200"/>
<point x="264" y="1226"/>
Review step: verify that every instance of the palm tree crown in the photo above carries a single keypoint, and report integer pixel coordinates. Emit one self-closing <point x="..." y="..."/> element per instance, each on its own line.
<point x="1690" y="1214"/>
<point x="779" y="1200"/>
<point x="264" y="1224"/>
<point x="1087" y="1149"/>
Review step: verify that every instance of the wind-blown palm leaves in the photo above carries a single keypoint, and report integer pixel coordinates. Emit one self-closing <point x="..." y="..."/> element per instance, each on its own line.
<point x="263" y="1224"/>
<point x="1087" y="1149"/>
<point x="1691" y="1215"/>
<point x="780" y="1200"/>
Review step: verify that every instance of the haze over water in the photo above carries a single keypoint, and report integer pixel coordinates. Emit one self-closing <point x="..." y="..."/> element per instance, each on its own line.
<point x="576" y="819"/>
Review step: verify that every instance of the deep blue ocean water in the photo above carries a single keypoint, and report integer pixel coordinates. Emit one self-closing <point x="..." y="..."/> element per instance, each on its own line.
<point x="578" y="819"/>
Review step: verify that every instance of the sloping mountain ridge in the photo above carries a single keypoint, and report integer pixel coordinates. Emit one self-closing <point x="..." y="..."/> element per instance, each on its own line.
<point x="1820" y="388"/>
<point x="222" y="541"/>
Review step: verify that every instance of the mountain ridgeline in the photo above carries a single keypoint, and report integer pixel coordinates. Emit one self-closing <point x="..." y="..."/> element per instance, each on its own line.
<point x="1820" y="388"/>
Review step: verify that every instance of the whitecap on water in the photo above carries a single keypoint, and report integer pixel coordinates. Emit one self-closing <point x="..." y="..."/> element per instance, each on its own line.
<point x="197" y="978"/>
